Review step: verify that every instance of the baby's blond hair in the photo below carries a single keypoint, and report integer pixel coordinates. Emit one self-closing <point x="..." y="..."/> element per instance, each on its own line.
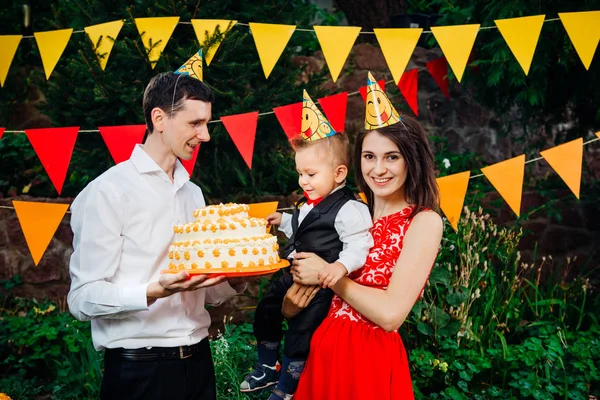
<point x="338" y="147"/>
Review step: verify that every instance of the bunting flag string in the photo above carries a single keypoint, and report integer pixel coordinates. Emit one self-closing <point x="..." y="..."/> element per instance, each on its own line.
<point x="397" y="44"/>
<point x="39" y="221"/>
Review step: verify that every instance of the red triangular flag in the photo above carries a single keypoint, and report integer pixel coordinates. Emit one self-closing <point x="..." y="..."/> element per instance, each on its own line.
<point x="242" y="129"/>
<point x="121" y="140"/>
<point x="189" y="164"/>
<point x="2" y="132"/>
<point x="334" y="107"/>
<point x="409" y="84"/>
<point x="290" y="119"/>
<point x="363" y="89"/>
<point x="54" y="147"/>
<point x="438" y="68"/>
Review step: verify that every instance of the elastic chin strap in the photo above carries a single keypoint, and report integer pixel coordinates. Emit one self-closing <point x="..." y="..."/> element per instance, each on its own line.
<point x="173" y="99"/>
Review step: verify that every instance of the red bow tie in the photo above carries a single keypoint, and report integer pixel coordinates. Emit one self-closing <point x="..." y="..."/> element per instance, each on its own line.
<point x="312" y="202"/>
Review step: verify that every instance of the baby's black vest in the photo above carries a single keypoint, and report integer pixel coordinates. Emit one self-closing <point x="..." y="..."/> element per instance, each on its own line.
<point x="317" y="232"/>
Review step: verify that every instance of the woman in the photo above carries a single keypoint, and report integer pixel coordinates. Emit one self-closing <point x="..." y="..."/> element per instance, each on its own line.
<point x="357" y="352"/>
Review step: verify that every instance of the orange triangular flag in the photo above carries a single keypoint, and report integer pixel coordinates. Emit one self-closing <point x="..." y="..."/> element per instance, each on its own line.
<point x="598" y="134"/>
<point x="453" y="189"/>
<point x="155" y="33"/>
<point x="566" y="160"/>
<point x="270" y="41"/>
<point x="52" y="44"/>
<point x="363" y="197"/>
<point x="336" y="43"/>
<point x="262" y="210"/>
<point x="205" y="29"/>
<point x="103" y="38"/>
<point x="521" y="36"/>
<point x="583" y="29"/>
<point x="39" y="221"/>
<point x="456" y="42"/>
<point x="507" y="178"/>
<point x="8" y="49"/>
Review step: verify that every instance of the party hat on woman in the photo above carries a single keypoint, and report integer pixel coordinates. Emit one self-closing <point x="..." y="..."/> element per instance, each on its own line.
<point x="379" y="111"/>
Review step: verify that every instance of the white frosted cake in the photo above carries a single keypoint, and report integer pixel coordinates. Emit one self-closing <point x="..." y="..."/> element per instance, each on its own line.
<point x="223" y="237"/>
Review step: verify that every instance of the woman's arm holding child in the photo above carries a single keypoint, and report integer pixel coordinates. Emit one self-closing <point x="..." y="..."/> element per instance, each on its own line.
<point x="389" y="307"/>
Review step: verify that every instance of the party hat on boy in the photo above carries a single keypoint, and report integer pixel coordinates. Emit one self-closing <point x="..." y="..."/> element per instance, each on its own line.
<point x="379" y="111"/>
<point x="192" y="67"/>
<point x="314" y="124"/>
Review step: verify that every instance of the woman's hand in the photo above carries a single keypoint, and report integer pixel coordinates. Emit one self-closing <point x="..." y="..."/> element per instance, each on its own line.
<point x="297" y="298"/>
<point x="306" y="267"/>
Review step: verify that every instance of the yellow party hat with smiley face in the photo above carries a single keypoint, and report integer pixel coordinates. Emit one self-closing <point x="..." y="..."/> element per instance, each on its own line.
<point x="379" y="112"/>
<point x="192" y="67"/>
<point x="314" y="124"/>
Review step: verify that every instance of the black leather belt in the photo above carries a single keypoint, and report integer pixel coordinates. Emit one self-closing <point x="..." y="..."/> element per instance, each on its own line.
<point x="159" y="353"/>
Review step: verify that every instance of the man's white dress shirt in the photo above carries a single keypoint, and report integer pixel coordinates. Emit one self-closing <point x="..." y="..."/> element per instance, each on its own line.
<point x="122" y="226"/>
<point x="352" y="223"/>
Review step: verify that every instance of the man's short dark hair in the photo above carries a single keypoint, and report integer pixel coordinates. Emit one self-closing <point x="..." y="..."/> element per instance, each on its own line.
<point x="159" y="93"/>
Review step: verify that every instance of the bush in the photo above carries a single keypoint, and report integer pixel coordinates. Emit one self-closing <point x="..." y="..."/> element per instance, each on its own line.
<point x="487" y="326"/>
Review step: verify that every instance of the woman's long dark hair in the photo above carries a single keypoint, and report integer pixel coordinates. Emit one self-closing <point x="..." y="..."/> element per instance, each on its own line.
<point x="420" y="187"/>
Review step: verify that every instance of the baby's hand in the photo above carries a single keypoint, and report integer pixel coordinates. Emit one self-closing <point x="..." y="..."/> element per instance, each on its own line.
<point x="274" y="219"/>
<point x="332" y="273"/>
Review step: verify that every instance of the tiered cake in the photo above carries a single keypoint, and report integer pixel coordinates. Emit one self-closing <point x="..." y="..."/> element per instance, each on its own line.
<point x="223" y="238"/>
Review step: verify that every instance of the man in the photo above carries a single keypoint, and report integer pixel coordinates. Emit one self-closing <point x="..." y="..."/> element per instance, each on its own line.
<point x="153" y="326"/>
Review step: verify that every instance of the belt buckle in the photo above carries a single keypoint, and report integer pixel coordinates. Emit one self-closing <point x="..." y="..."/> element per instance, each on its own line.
<point x="183" y="356"/>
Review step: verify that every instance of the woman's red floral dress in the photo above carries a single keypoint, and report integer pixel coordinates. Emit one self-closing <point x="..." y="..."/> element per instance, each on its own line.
<point x="350" y="357"/>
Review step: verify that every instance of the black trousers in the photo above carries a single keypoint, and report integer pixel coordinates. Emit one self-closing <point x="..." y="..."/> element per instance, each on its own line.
<point x="173" y="379"/>
<point x="268" y="318"/>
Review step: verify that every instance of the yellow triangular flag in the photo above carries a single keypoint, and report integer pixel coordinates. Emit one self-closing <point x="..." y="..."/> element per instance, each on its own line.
<point x="103" y="38"/>
<point x="507" y="178"/>
<point x="521" y="36"/>
<point x="155" y="33"/>
<point x="262" y="210"/>
<point x="453" y="189"/>
<point x="270" y="41"/>
<point x="52" y="44"/>
<point x="8" y="49"/>
<point x="397" y="45"/>
<point x="207" y="27"/>
<point x="566" y="160"/>
<point x="336" y="43"/>
<point x="39" y="221"/>
<point x="583" y="29"/>
<point x="456" y="42"/>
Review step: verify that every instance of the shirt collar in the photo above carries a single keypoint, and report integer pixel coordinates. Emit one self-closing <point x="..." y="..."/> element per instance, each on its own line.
<point x="145" y="164"/>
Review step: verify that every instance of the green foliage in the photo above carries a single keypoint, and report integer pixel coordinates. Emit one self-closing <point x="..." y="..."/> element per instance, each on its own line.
<point x="79" y="93"/>
<point x="46" y="351"/>
<point x="487" y="326"/>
